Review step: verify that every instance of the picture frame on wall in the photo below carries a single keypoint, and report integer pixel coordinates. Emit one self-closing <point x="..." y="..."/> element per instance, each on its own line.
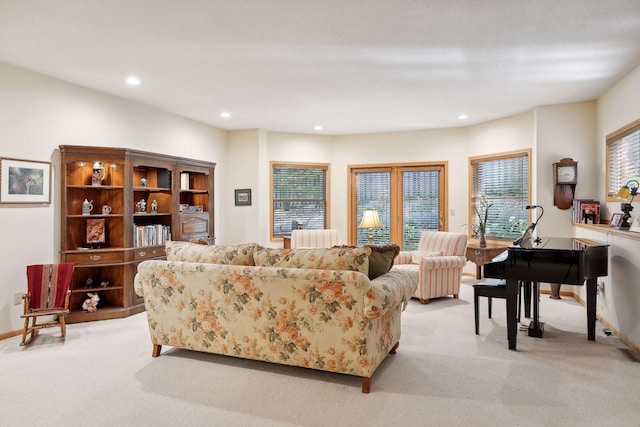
<point x="243" y="197"/>
<point x="25" y="181"/>
<point x="616" y="218"/>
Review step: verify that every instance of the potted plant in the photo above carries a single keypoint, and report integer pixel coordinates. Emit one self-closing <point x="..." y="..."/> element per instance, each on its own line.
<point x="482" y="210"/>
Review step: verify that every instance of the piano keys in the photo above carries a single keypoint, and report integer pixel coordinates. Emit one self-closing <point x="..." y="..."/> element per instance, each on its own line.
<point x="552" y="260"/>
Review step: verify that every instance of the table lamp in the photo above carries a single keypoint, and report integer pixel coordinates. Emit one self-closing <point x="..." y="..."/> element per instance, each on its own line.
<point x="370" y="220"/>
<point x="626" y="207"/>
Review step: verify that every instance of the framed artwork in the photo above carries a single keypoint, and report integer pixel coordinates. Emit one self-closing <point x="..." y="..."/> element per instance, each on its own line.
<point x="96" y="235"/>
<point x="616" y="218"/>
<point x="25" y="181"/>
<point x="635" y="225"/>
<point x="243" y="197"/>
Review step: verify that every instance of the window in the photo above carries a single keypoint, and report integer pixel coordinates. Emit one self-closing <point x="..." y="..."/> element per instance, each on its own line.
<point x="407" y="197"/>
<point x="623" y="158"/>
<point x="503" y="182"/>
<point x="299" y="197"/>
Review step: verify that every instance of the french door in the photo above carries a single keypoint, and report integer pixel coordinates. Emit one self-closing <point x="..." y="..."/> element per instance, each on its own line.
<point x="409" y="198"/>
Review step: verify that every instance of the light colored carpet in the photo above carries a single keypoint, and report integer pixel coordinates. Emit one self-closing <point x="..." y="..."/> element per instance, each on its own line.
<point x="443" y="374"/>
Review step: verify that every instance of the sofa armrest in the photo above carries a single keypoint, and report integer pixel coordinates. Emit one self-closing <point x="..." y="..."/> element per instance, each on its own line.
<point x="388" y="291"/>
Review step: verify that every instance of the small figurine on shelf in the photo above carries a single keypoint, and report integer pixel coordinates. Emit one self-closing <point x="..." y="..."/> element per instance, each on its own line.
<point x="88" y="283"/>
<point x="154" y="206"/>
<point x="104" y="283"/>
<point x="141" y="206"/>
<point x="91" y="303"/>
<point x="143" y="182"/>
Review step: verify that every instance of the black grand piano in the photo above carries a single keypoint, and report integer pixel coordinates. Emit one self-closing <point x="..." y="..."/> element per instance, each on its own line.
<point x="568" y="261"/>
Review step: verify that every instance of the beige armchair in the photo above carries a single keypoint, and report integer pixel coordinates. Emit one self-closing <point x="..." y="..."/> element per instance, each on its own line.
<point x="324" y="238"/>
<point x="438" y="262"/>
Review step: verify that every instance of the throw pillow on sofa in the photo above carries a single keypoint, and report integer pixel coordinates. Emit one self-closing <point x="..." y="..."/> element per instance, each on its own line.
<point x="381" y="259"/>
<point x="213" y="254"/>
<point x="416" y="256"/>
<point x="353" y="259"/>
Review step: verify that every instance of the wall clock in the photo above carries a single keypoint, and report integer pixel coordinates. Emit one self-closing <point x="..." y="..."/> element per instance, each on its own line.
<point x="565" y="178"/>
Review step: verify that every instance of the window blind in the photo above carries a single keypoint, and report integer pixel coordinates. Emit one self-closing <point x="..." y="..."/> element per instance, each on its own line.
<point x="503" y="183"/>
<point x="299" y="197"/>
<point x="420" y="205"/>
<point x="373" y="192"/>
<point x="623" y="160"/>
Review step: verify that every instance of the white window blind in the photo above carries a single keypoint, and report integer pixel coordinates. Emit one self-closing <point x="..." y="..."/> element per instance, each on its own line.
<point x="299" y="197"/>
<point x="374" y="192"/>
<point x="623" y="159"/>
<point x="504" y="183"/>
<point x="420" y="205"/>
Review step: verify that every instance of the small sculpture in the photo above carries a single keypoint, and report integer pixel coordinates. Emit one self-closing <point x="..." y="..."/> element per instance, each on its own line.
<point x="141" y="206"/>
<point x="154" y="206"/>
<point x="99" y="173"/>
<point x="91" y="303"/>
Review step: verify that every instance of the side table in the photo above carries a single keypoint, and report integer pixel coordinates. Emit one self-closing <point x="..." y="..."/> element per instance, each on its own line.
<point x="480" y="256"/>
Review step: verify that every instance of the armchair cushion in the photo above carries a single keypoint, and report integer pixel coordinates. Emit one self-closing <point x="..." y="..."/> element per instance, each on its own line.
<point x="306" y="239"/>
<point x="417" y="256"/>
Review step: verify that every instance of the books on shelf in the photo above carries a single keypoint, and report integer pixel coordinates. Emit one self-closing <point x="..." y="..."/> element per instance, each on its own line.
<point x="586" y="211"/>
<point x="150" y="235"/>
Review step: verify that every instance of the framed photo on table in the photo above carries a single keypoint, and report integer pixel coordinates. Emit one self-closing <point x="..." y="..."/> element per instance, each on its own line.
<point x="616" y="218"/>
<point x="25" y="181"/>
<point x="243" y="197"/>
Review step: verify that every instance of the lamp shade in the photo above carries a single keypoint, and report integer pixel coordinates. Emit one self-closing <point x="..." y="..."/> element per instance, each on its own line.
<point x="626" y="190"/>
<point x="370" y="219"/>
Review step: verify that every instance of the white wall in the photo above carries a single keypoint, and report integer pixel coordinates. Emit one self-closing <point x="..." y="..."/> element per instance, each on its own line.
<point x="567" y="130"/>
<point x="618" y="303"/>
<point x="37" y="114"/>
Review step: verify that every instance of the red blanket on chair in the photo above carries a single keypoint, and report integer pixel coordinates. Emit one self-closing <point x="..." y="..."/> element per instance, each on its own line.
<point x="48" y="285"/>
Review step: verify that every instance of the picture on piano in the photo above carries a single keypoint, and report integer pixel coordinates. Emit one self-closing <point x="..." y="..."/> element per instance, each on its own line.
<point x="590" y="213"/>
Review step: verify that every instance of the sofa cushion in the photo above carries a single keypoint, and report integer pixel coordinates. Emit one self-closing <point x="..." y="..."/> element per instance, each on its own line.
<point x="381" y="259"/>
<point x="213" y="254"/>
<point x="353" y="259"/>
<point x="416" y="256"/>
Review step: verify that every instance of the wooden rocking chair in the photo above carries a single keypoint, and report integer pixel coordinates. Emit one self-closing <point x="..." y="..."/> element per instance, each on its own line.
<point x="48" y="295"/>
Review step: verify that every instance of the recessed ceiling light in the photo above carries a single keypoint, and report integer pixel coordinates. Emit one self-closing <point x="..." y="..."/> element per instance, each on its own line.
<point x="462" y="116"/>
<point x="317" y="127"/>
<point x="225" y="115"/>
<point x="132" y="81"/>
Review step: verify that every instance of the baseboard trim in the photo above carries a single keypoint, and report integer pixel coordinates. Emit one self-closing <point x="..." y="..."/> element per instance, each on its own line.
<point x="10" y="334"/>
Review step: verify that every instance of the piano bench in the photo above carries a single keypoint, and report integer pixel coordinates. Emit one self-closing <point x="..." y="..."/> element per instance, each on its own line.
<point x="491" y="288"/>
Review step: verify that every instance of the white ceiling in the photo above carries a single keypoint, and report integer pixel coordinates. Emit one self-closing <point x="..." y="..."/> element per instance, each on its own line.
<point x="352" y="66"/>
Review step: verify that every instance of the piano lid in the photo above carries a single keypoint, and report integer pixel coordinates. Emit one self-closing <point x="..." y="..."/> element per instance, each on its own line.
<point x="558" y="244"/>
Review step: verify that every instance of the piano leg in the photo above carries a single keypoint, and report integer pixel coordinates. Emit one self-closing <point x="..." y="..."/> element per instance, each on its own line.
<point x="591" y="308"/>
<point x="527" y="299"/>
<point x="512" y="312"/>
<point x="536" y="328"/>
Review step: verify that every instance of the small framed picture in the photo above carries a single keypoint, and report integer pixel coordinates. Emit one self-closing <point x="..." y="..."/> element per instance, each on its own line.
<point x="243" y="197"/>
<point x="96" y="235"/>
<point x="616" y="218"/>
<point x="635" y="225"/>
<point x="25" y="181"/>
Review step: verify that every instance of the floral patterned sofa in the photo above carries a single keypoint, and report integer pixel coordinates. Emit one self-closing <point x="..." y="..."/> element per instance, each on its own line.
<point x="314" y="308"/>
